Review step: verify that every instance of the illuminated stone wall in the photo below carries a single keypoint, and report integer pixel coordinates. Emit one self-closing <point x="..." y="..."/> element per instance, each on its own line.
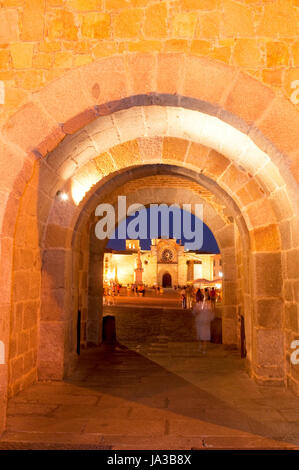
<point x="42" y="39"/>
<point x="125" y="264"/>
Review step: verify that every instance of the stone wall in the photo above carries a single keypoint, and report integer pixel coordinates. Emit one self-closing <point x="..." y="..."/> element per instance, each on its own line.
<point x="42" y="39"/>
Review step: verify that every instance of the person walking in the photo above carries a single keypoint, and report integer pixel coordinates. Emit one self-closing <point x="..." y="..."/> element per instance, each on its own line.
<point x="204" y="314"/>
<point x="183" y="297"/>
<point x="199" y="296"/>
<point x="213" y="298"/>
<point x="189" y="292"/>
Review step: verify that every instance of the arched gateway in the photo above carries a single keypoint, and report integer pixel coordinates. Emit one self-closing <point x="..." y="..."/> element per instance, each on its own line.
<point x="166" y="280"/>
<point x="100" y="131"/>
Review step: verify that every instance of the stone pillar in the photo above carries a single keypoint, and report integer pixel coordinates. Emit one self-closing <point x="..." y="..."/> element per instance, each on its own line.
<point x="138" y="270"/>
<point x="190" y="270"/>
<point x="55" y="315"/>
<point x="268" y="335"/>
<point x="226" y="240"/>
<point x="95" y="290"/>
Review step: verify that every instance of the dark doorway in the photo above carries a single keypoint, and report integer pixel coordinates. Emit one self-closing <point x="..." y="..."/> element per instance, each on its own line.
<point x="166" y="280"/>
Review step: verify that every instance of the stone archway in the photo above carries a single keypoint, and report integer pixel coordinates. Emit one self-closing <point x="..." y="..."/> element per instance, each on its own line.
<point x="210" y="92"/>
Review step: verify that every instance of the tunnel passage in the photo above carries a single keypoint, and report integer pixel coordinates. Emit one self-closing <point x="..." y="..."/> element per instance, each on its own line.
<point x="50" y="266"/>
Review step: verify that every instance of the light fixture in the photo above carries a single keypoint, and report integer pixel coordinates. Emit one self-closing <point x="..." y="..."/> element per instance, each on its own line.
<point x="220" y="274"/>
<point x="62" y="195"/>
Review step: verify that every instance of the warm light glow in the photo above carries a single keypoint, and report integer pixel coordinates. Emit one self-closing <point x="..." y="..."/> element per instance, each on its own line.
<point x="82" y="184"/>
<point x="218" y="286"/>
<point x="220" y="274"/>
<point x="62" y="195"/>
<point x="111" y="275"/>
<point x="78" y="192"/>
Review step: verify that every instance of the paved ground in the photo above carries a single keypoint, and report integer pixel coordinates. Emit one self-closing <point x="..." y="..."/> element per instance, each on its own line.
<point x="155" y="395"/>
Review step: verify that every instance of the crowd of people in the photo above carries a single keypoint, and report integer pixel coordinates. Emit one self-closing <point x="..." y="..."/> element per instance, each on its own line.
<point x="110" y="292"/>
<point x="202" y="302"/>
<point x="190" y="295"/>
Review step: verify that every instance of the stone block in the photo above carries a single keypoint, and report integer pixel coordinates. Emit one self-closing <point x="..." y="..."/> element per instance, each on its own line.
<point x="277" y="54"/>
<point x="269" y="351"/>
<point x="155" y="23"/>
<point x="266" y="238"/>
<point x="174" y="149"/>
<point x="267" y="274"/>
<point x="291" y="317"/>
<point x="269" y="313"/>
<point x="205" y="79"/>
<point x="208" y="26"/>
<point x="215" y="164"/>
<point x="62" y="26"/>
<point x="85" y="5"/>
<point x="141" y="73"/>
<point x="53" y="273"/>
<point x="105" y="80"/>
<point x="279" y="125"/>
<point x="169" y="73"/>
<point x="51" y="354"/>
<point x="68" y="91"/>
<point x="247" y="53"/>
<point x="292" y="264"/>
<point x="21" y="284"/>
<point x="261" y="213"/>
<point x="32" y="20"/>
<point x="21" y="54"/>
<point x="30" y="314"/>
<point x="233" y="178"/>
<point x="257" y="98"/>
<point x="150" y="148"/>
<point x="9" y="26"/>
<point x="237" y="19"/>
<point x="126" y="154"/>
<point x="96" y="25"/>
<point x="278" y="18"/>
<point x="229" y="331"/>
<point x="53" y="305"/>
<point x="127" y="23"/>
<point x="184" y="24"/>
<point x="295" y="52"/>
<point x="43" y="136"/>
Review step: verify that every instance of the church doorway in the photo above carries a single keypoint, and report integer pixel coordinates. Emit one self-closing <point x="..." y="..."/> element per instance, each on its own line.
<point x="166" y="280"/>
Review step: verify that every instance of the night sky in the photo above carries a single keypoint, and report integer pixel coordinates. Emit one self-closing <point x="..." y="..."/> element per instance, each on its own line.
<point x="209" y="242"/>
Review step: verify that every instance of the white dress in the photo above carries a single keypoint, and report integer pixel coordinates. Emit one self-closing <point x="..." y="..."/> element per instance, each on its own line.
<point x="203" y="317"/>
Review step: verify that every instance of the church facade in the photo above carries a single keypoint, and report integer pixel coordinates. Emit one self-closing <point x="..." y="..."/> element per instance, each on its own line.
<point x="166" y="264"/>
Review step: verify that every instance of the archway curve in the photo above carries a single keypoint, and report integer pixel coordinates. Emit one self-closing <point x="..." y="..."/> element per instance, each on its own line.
<point x="223" y="230"/>
<point x="26" y="145"/>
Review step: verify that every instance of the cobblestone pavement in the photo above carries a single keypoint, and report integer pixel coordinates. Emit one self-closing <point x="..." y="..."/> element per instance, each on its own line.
<point x="155" y="394"/>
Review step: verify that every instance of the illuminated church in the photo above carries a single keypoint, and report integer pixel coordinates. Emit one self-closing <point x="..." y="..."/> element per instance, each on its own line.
<point x="166" y="264"/>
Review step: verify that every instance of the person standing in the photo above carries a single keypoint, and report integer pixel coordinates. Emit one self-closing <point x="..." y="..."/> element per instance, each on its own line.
<point x="183" y="297"/>
<point x="189" y="292"/>
<point x="213" y="298"/>
<point x="204" y="315"/>
<point x="199" y="296"/>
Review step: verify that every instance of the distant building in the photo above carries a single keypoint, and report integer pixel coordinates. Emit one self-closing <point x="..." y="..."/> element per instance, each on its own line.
<point x="166" y="264"/>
